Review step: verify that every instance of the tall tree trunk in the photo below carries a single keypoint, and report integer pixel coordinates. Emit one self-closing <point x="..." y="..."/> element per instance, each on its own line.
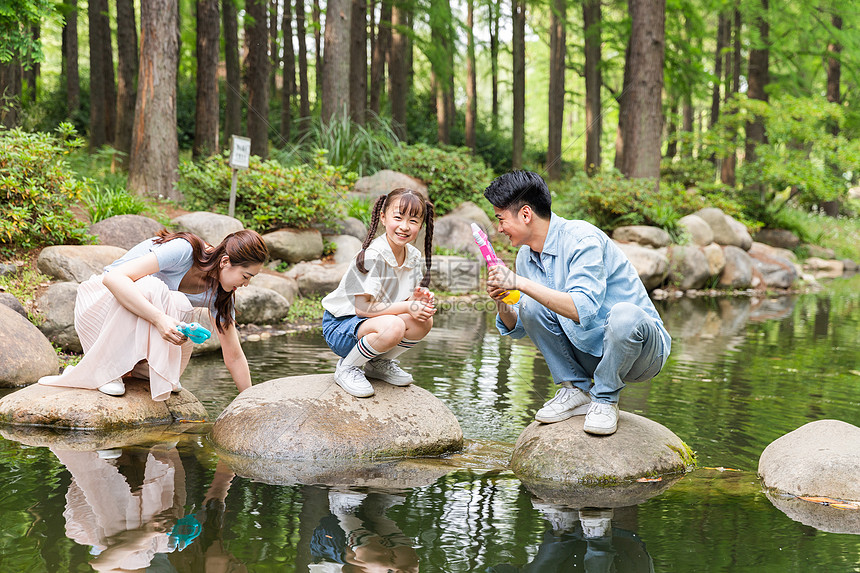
<point x="736" y="50"/>
<point x="557" y="52"/>
<point x="289" y="87"/>
<point x="274" y="55"/>
<point x="98" y="74"/>
<point x="471" y="78"/>
<point x="624" y="105"/>
<point x="834" y="78"/>
<point x="358" y="61"/>
<point x="31" y="71"/>
<point x="335" y="86"/>
<point x="758" y="76"/>
<point x="127" y="57"/>
<point x="440" y="38"/>
<point x="495" y="13"/>
<point x="379" y="55"/>
<point x="154" y="154"/>
<point x="10" y="92"/>
<point x="110" y="79"/>
<point x="728" y="167"/>
<point x="518" y="13"/>
<point x="233" y="111"/>
<point x="304" y="102"/>
<point x="591" y="17"/>
<point x="206" y="113"/>
<point x="718" y="71"/>
<point x="672" y="132"/>
<point x="70" y="57"/>
<point x="643" y="124"/>
<point x="257" y="38"/>
<point x="397" y="72"/>
<point x="318" y="69"/>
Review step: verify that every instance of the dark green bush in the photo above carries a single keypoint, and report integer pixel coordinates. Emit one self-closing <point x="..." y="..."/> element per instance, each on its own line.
<point x="452" y="175"/>
<point x="37" y="189"/>
<point x="268" y="195"/>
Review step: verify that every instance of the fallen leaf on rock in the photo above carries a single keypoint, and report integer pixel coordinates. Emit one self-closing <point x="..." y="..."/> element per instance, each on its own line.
<point x="647" y="480"/>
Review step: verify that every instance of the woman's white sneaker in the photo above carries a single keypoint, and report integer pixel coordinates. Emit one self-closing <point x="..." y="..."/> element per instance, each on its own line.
<point x="601" y="419"/>
<point x="352" y="380"/>
<point x="113" y="388"/>
<point x="388" y="371"/>
<point x="566" y="403"/>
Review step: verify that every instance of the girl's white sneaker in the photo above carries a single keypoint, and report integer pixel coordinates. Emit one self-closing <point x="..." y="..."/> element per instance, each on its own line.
<point x="113" y="388"/>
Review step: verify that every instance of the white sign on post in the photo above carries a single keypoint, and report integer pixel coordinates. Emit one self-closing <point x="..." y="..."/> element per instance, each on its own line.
<point x="240" y="155"/>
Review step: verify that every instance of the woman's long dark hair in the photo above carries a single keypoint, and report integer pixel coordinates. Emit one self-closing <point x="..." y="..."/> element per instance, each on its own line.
<point x="243" y="248"/>
<point x="412" y="204"/>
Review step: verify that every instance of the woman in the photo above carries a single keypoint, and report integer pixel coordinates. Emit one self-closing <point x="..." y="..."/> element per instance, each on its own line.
<point x="126" y="318"/>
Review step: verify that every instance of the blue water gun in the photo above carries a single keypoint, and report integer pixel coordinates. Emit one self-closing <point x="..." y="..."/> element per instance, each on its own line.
<point x="194" y="331"/>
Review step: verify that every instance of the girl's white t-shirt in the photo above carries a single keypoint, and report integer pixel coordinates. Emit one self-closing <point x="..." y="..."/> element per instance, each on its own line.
<point x="385" y="280"/>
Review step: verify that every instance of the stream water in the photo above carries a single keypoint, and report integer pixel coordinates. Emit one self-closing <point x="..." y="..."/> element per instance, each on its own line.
<point x="742" y="373"/>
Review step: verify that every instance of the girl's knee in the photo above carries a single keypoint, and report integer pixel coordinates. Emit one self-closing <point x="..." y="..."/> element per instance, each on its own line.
<point x="389" y="327"/>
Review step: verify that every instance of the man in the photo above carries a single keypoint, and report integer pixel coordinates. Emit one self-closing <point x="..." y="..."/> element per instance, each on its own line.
<point x="582" y="304"/>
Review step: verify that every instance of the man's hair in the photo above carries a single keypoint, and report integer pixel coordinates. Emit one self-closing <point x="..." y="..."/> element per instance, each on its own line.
<point x="513" y="190"/>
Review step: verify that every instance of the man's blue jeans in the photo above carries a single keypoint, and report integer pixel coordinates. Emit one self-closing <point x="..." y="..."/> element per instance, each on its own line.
<point x="632" y="350"/>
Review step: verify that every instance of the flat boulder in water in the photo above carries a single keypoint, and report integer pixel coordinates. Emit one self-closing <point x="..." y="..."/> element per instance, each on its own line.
<point x="563" y="464"/>
<point x="79" y="408"/>
<point x="312" y="418"/>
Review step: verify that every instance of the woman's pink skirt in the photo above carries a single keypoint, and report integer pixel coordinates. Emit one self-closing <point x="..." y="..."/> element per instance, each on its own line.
<point x="115" y="340"/>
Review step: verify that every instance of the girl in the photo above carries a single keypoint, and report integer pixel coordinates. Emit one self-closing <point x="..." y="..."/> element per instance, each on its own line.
<point x="378" y="310"/>
<point x="126" y="318"/>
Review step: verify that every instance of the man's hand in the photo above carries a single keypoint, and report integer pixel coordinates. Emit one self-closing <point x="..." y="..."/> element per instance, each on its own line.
<point x="502" y="278"/>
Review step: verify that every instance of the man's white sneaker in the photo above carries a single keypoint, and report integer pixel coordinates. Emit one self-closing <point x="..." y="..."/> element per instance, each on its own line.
<point x="113" y="388"/>
<point x="352" y="380"/>
<point x="567" y="402"/>
<point x="601" y="419"/>
<point x="388" y="371"/>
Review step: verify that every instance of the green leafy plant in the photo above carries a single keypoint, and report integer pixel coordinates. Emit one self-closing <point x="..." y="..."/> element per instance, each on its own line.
<point x="268" y="195"/>
<point x="23" y="286"/>
<point x="452" y="175"/>
<point x="103" y="203"/>
<point x="361" y="209"/>
<point x="37" y="188"/>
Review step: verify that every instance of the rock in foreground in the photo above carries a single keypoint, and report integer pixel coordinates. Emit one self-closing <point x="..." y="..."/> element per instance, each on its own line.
<point x="819" y="459"/>
<point x="78" y="408"/>
<point x="25" y="353"/>
<point x="311" y="418"/>
<point x="554" y="459"/>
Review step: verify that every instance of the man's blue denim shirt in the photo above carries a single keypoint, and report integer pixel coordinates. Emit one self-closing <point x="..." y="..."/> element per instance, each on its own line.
<point x="581" y="260"/>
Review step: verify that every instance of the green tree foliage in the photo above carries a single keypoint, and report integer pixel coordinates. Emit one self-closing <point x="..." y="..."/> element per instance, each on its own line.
<point x="452" y="174"/>
<point x="37" y="188"/>
<point x="268" y="195"/>
<point x="16" y="38"/>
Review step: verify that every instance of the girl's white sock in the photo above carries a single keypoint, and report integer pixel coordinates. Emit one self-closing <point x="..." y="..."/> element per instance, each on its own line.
<point x="401" y="347"/>
<point x="360" y="353"/>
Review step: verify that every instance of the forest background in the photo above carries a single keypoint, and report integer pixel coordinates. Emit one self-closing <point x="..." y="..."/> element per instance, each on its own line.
<point x="636" y="112"/>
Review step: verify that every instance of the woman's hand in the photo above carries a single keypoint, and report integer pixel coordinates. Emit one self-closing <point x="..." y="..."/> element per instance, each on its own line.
<point x="166" y="327"/>
<point x="421" y="310"/>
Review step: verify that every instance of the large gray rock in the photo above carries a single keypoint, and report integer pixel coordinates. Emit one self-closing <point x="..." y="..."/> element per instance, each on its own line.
<point x="824" y="269"/>
<point x="475" y="214"/>
<point x="312" y="418"/>
<point x="781" y="238"/>
<point x="644" y="235"/>
<point x="820" y="252"/>
<point x="81" y="440"/>
<point x="454" y="233"/>
<point x="384" y="182"/>
<point x="724" y="231"/>
<point x="285" y="286"/>
<point x="25" y="353"/>
<point x="819" y="459"/>
<point x="211" y="227"/>
<point x="259" y="305"/>
<point x="741" y="232"/>
<point x="561" y="455"/>
<point x="688" y="267"/>
<point x="651" y="265"/>
<point x="8" y="300"/>
<point x="125" y="231"/>
<point x="777" y="271"/>
<point x="294" y="245"/>
<point x="76" y="263"/>
<point x="320" y="279"/>
<point x="56" y="407"/>
<point x="818" y="515"/>
<point x="352" y="227"/>
<point x="8" y="269"/>
<point x="738" y="272"/>
<point x="346" y="247"/>
<point x="700" y="232"/>
<point x="625" y="494"/>
<point x="716" y="259"/>
<point x="57" y="306"/>
<point x="455" y="274"/>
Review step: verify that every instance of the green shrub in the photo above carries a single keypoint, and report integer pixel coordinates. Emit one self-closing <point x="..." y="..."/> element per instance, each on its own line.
<point x="361" y="209"/>
<point x="452" y="175"/>
<point x="106" y="202"/>
<point x="37" y="189"/>
<point x="268" y="195"/>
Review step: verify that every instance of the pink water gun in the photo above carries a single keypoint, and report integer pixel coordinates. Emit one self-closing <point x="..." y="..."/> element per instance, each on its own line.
<point x="483" y="243"/>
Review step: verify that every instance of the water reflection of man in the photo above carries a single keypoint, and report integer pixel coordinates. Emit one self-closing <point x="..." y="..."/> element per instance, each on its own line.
<point x="358" y="536"/>
<point x="582" y="304"/>
<point x="127" y="505"/>
<point x="584" y="540"/>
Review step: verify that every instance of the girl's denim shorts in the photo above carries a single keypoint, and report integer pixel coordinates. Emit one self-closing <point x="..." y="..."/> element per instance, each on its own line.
<point x="339" y="332"/>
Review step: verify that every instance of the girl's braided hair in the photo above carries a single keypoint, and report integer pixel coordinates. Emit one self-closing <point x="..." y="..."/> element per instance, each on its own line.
<point x="412" y="204"/>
